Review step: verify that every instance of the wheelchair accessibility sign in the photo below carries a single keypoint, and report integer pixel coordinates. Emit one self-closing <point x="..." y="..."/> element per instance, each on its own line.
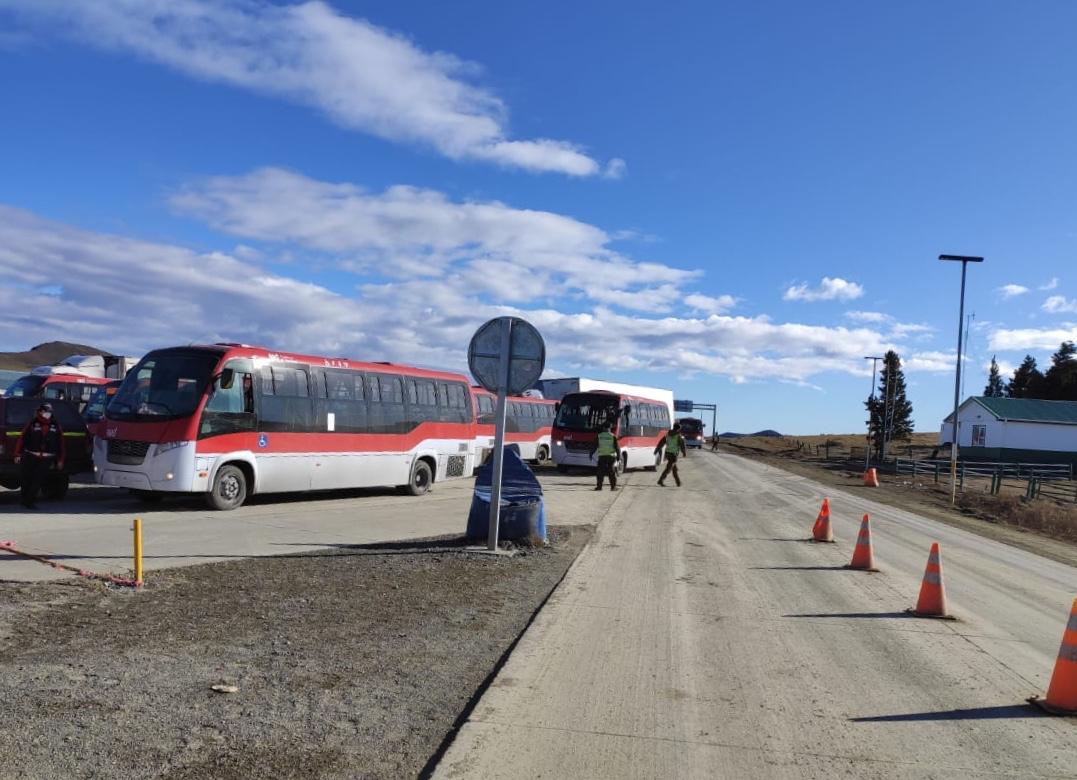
<point x="263" y="441"/>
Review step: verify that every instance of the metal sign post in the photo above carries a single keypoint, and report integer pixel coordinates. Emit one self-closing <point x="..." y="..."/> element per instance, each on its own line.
<point x="507" y="355"/>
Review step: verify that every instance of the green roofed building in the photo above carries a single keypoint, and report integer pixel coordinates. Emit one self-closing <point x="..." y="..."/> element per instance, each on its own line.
<point x="1015" y="429"/>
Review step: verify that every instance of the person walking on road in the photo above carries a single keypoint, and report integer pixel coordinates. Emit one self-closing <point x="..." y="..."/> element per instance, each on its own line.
<point x="609" y="453"/>
<point x="714" y="443"/>
<point x="674" y="445"/>
<point x="39" y="449"/>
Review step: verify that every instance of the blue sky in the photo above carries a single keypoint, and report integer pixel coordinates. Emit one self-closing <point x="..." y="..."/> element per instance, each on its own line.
<point x="735" y="200"/>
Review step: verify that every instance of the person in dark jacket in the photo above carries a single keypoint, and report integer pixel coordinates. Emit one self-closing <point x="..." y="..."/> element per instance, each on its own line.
<point x="673" y="443"/>
<point x="39" y="450"/>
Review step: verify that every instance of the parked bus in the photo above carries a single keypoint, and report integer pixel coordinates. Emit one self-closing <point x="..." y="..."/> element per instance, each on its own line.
<point x="228" y="421"/>
<point x="75" y="388"/>
<point x="692" y="429"/>
<point x="639" y="424"/>
<point x="528" y="425"/>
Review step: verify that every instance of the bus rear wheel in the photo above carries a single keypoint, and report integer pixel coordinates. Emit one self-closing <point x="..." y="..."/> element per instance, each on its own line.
<point x="542" y="456"/>
<point x="421" y="478"/>
<point x="622" y="463"/>
<point x="229" y="489"/>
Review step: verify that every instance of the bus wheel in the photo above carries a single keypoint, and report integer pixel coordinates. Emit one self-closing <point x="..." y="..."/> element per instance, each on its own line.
<point x="542" y="457"/>
<point x="657" y="462"/>
<point x="147" y="496"/>
<point x="622" y="463"/>
<point x="229" y="489"/>
<point x="421" y="477"/>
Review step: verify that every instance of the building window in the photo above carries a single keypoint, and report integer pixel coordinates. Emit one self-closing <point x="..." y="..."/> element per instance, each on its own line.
<point x="979" y="435"/>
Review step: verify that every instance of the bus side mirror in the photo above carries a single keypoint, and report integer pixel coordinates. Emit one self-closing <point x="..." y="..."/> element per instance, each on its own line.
<point x="228" y="376"/>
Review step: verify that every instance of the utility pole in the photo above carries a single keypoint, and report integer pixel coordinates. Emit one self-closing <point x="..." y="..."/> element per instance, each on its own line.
<point x="867" y="450"/>
<point x="954" y="428"/>
<point x="886" y="413"/>
<point x="968" y="329"/>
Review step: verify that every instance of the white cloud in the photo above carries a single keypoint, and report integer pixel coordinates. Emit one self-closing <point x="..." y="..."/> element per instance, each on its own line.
<point x="875" y="317"/>
<point x="1033" y="338"/>
<point x="407" y="232"/>
<point x="710" y="305"/>
<point x="902" y="330"/>
<point x="362" y="76"/>
<point x="829" y="289"/>
<point x="931" y="362"/>
<point x="1051" y="285"/>
<point x="616" y="169"/>
<point x="1057" y="304"/>
<point x="1008" y="291"/>
<point x="130" y="295"/>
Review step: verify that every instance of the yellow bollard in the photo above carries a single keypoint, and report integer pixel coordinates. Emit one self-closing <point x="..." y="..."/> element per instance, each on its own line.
<point x="138" y="551"/>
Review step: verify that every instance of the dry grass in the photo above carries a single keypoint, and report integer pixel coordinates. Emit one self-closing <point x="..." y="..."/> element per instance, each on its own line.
<point x="1049" y="518"/>
<point x="841" y="444"/>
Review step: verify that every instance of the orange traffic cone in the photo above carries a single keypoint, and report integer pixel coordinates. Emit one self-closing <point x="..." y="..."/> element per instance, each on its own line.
<point x="863" y="554"/>
<point x="821" y="531"/>
<point x="871" y="478"/>
<point x="932" y="601"/>
<point x="1062" y="692"/>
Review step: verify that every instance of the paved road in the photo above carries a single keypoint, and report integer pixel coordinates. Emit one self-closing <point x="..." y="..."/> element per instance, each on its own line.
<point x="92" y="528"/>
<point x="698" y="636"/>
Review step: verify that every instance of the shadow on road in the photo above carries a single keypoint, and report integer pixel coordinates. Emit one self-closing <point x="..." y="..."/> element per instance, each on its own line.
<point x="800" y="568"/>
<point x="852" y="615"/>
<point x="1005" y="711"/>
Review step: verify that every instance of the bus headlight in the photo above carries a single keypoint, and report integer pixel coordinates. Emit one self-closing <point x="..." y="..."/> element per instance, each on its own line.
<point x="559" y="444"/>
<point x="168" y="446"/>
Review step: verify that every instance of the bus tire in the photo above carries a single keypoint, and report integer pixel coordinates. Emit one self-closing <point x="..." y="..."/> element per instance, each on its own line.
<point x="147" y="496"/>
<point x="622" y="463"/>
<point x="421" y="478"/>
<point x="657" y="462"/>
<point x="542" y="456"/>
<point x="229" y="489"/>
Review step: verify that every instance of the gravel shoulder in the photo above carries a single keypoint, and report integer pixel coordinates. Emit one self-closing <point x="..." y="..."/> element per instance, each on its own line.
<point x="357" y="661"/>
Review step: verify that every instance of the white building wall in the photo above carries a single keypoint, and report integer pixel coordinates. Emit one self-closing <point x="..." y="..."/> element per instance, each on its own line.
<point x="1010" y="434"/>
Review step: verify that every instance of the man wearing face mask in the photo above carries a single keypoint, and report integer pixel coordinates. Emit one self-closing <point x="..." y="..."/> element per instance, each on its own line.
<point x="39" y="449"/>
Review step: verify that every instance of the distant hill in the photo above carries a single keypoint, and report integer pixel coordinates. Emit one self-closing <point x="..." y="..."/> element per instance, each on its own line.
<point x="45" y="355"/>
<point x="768" y="433"/>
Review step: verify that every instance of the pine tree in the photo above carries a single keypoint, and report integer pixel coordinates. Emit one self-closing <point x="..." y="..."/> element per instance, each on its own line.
<point x="994" y="387"/>
<point x="1060" y="381"/>
<point x="1026" y="380"/>
<point x="891" y="420"/>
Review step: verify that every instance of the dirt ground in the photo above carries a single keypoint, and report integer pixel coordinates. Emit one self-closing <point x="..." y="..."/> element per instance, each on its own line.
<point x="979" y="514"/>
<point x="352" y="662"/>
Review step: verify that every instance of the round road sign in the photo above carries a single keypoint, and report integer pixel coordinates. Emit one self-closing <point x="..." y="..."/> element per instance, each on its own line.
<point x="526" y="355"/>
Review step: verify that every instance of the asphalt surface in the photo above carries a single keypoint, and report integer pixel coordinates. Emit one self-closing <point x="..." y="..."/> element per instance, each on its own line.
<point x="700" y="636"/>
<point x="91" y="529"/>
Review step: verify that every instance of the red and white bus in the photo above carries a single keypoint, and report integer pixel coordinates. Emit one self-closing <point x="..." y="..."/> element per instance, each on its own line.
<point x="528" y="425"/>
<point x="72" y="387"/>
<point x="229" y="421"/>
<point x="639" y="424"/>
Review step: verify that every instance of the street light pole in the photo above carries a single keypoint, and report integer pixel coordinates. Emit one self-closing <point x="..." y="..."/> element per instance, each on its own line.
<point x="964" y="260"/>
<point x="867" y="450"/>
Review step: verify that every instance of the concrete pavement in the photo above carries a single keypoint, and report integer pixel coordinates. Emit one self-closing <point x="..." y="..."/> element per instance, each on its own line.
<point x="699" y="636"/>
<point x="92" y="528"/>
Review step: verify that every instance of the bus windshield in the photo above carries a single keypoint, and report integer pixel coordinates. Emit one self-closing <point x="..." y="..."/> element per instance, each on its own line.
<point x="163" y="386"/>
<point x="26" y="387"/>
<point x="690" y="426"/>
<point x="586" y="412"/>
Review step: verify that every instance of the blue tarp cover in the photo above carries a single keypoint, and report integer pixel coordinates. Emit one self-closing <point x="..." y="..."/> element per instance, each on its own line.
<point x="517" y="479"/>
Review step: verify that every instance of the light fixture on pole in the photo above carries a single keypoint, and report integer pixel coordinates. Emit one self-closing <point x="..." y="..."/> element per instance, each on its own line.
<point x="964" y="260"/>
<point x="874" y="366"/>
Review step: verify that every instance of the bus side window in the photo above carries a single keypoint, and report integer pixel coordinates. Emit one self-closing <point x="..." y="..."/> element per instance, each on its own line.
<point x="230" y="409"/>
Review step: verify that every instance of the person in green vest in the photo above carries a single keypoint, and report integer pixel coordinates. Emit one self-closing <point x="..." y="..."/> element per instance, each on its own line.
<point x="673" y="442"/>
<point x="609" y="452"/>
